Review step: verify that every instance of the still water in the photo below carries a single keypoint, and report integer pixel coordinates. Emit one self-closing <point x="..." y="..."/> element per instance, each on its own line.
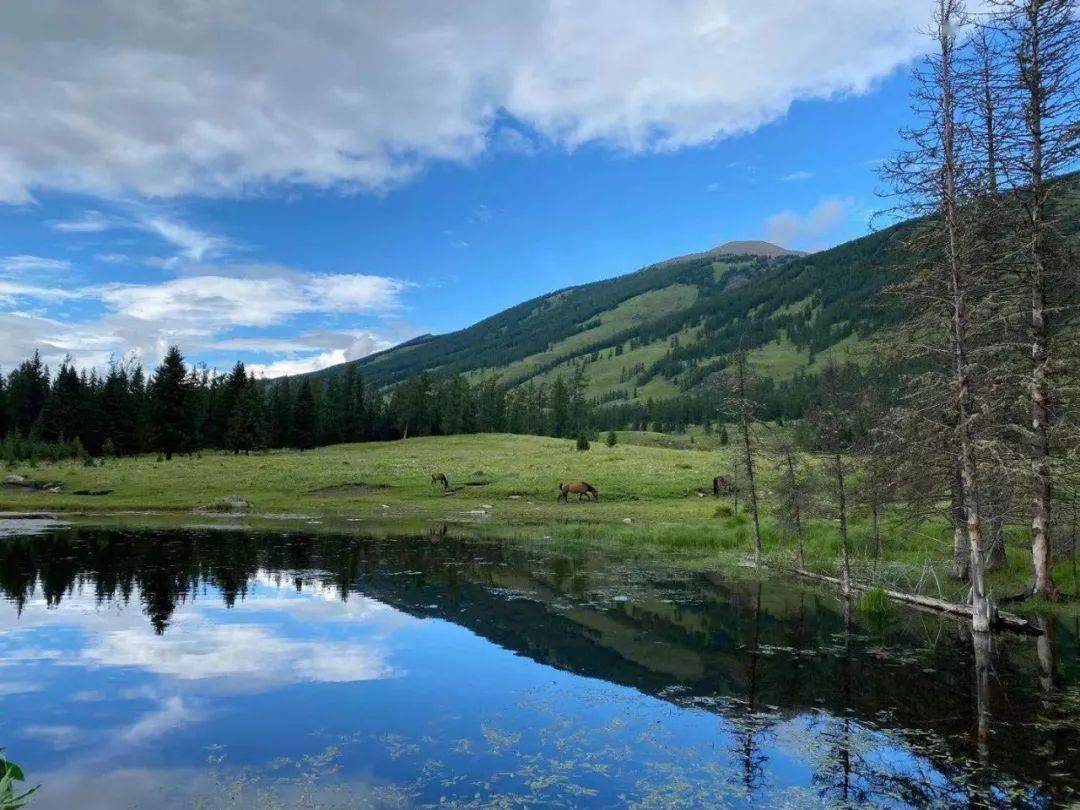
<point x="217" y="668"/>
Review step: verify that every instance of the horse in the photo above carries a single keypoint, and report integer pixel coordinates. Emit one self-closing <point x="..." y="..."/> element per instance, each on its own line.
<point x="440" y="478"/>
<point x="722" y="485"/>
<point x="581" y="488"/>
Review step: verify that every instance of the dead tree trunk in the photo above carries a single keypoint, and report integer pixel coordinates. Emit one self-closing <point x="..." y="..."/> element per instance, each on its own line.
<point x="841" y="508"/>
<point x="1044" y="42"/>
<point x="748" y="454"/>
<point x="960" y="548"/>
<point x="796" y="510"/>
<point x="948" y="19"/>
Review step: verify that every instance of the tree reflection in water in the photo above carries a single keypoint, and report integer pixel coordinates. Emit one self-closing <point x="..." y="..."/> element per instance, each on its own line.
<point x="795" y="679"/>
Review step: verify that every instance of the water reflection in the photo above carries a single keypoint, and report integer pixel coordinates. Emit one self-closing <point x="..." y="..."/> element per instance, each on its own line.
<point x="152" y="652"/>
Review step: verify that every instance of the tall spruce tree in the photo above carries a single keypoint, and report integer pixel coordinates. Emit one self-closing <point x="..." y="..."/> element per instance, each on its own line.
<point x="304" y="421"/>
<point x="170" y="399"/>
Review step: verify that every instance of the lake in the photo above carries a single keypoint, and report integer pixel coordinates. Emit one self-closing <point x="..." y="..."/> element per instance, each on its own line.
<point x="230" y="668"/>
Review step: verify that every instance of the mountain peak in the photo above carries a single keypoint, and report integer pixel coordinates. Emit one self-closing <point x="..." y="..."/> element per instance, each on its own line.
<point x="749" y="247"/>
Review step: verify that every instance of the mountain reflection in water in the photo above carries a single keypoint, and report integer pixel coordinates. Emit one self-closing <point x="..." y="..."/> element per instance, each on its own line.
<point x="179" y="667"/>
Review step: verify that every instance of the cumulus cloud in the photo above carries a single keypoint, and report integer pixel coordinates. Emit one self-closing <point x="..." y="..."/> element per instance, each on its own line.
<point x="309" y="352"/>
<point x="163" y="99"/>
<point x="812" y="229"/>
<point x="266" y="296"/>
<point x="196" y="310"/>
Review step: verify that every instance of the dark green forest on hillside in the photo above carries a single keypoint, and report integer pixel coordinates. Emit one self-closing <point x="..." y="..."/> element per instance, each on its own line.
<point x="738" y="301"/>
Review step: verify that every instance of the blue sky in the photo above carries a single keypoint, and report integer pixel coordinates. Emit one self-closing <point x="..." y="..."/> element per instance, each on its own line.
<point x="293" y="212"/>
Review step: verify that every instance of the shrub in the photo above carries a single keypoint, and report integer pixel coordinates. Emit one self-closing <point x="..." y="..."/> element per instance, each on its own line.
<point x="612" y="439"/>
<point x="582" y="442"/>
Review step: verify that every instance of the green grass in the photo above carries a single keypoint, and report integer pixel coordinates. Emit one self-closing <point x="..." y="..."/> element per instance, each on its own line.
<point x="779" y="359"/>
<point x="649" y="494"/>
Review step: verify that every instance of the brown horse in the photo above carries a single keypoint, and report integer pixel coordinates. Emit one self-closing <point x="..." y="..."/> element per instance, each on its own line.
<point x="580" y="488"/>
<point x="440" y="478"/>
<point x="722" y="485"/>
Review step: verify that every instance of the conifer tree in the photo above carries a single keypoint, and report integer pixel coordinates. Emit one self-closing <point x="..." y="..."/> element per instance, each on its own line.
<point x="170" y="391"/>
<point x="304" y="427"/>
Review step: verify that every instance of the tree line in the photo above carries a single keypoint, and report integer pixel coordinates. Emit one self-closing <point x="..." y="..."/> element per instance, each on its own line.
<point x="182" y="408"/>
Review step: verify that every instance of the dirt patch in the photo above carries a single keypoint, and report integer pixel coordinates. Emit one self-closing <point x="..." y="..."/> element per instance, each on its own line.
<point x="351" y="490"/>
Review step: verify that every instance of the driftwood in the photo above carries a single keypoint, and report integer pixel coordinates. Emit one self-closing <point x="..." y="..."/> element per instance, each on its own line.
<point x="1008" y="621"/>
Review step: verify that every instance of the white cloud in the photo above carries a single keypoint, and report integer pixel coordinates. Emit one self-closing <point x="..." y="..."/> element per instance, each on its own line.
<point x="266" y="295"/>
<point x="89" y="222"/>
<point x="309" y="352"/>
<point x="112" y="258"/>
<point x="21" y="334"/>
<point x="8" y="688"/>
<point x="59" y="736"/>
<point x="26" y="263"/>
<point x="810" y="230"/>
<point x="192" y="244"/>
<point x="196" y="311"/>
<point x="250" y="656"/>
<point x="164" y="99"/>
<point x="300" y="365"/>
<point x="12" y="291"/>
<point x="799" y="175"/>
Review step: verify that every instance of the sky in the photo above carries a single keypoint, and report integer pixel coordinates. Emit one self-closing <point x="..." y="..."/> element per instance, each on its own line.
<point x="296" y="186"/>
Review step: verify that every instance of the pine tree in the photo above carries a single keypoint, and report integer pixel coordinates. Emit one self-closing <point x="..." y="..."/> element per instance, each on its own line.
<point x="560" y="408"/>
<point x="170" y="391"/>
<point x="280" y="415"/>
<point x="304" y="427"/>
<point x="28" y="388"/>
<point x="119" y="411"/>
<point x="61" y="417"/>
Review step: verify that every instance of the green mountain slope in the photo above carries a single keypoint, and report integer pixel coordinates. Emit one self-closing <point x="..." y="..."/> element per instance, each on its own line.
<point x="661" y="330"/>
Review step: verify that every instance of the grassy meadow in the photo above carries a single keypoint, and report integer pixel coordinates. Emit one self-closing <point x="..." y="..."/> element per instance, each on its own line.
<point x="654" y="489"/>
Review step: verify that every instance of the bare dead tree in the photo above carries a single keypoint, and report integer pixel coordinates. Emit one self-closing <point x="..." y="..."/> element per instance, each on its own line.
<point x="735" y="399"/>
<point x="792" y="489"/>
<point x="833" y="435"/>
<point x="1042" y="39"/>
<point x="935" y="175"/>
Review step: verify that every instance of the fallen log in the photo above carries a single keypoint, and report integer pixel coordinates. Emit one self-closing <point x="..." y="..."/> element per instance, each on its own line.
<point x="1007" y="621"/>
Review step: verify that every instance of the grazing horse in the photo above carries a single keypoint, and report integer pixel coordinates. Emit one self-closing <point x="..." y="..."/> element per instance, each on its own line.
<point x="722" y="485"/>
<point x="440" y="478"/>
<point x="582" y="490"/>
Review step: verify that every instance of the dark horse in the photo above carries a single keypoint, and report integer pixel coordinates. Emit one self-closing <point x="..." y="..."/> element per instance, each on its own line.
<point x="722" y="485"/>
<point x="580" y="488"/>
<point x="440" y="478"/>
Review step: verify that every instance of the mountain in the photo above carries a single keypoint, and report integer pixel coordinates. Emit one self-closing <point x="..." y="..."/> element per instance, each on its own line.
<point x="652" y="330"/>
<point x="661" y="330"/>
<point x="750" y="248"/>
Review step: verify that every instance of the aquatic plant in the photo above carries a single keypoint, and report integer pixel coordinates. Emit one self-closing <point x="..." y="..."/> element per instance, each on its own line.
<point x="12" y="793"/>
